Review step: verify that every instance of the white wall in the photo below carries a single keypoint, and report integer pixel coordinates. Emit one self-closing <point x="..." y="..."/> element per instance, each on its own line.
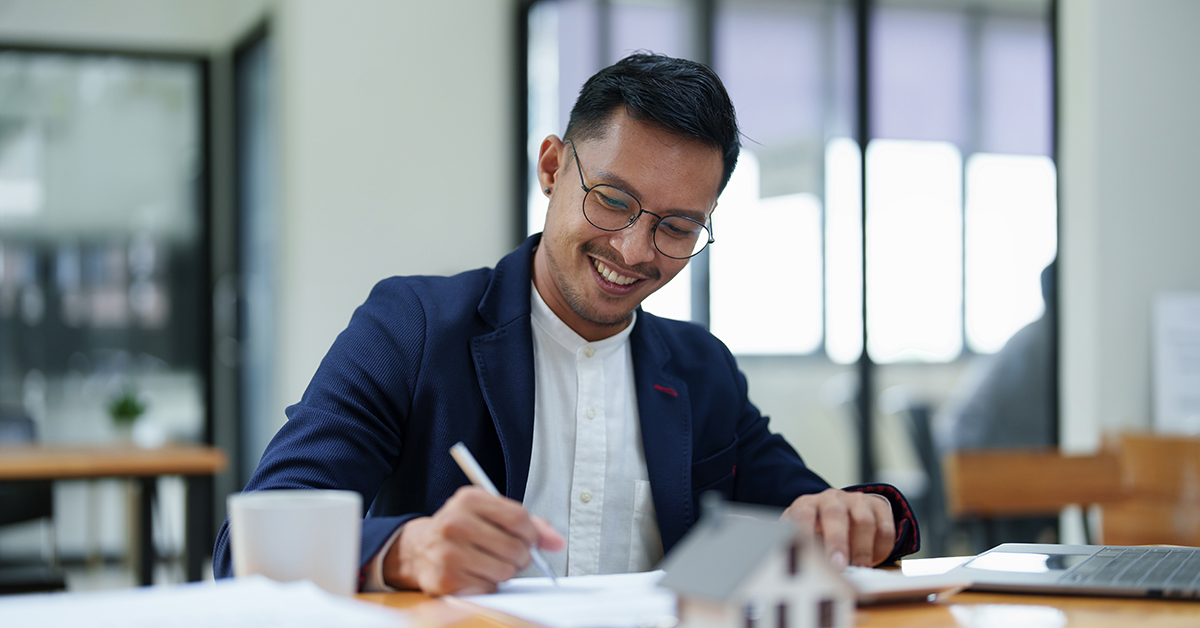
<point x="1130" y="154"/>
<point x="396" y="139"/>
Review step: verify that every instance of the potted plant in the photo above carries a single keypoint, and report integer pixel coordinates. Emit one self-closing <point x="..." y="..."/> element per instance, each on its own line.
<point x="124" y="409"/>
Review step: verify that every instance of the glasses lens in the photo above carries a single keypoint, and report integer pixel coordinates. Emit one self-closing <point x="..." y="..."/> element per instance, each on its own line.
<point x="609" y="208"/>
<point x="680" y="237"/>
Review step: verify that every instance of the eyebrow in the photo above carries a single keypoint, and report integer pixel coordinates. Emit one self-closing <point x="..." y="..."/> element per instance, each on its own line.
<point x="614" y="180"/>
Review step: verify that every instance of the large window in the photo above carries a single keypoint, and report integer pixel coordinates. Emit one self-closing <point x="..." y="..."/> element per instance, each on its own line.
<point x="102" y="241"/>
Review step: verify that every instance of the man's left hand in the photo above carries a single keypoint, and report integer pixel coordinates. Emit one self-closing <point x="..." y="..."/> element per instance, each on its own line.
<point x="857" y="528"/>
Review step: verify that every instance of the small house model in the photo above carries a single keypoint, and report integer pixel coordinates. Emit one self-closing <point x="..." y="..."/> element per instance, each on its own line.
<point x="739" y="571"/>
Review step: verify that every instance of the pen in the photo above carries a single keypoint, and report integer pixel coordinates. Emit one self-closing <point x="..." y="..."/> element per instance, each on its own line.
<point x="475" y="473"/>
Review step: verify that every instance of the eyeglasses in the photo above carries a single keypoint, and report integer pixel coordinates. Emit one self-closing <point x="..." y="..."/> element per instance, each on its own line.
<point x="610" y="208"/>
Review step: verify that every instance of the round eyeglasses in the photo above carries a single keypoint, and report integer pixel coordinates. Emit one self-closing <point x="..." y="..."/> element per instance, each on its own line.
<point x="610" y="208"/>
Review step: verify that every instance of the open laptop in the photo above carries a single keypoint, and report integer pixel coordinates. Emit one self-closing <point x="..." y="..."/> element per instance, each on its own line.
<point x="1172" y="572"/>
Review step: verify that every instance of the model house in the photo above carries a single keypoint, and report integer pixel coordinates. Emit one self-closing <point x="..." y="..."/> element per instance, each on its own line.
<point x="734" y="570"/>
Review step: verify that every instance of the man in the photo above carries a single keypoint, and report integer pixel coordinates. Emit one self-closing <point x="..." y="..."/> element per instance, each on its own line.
<point x="607" y="421"/>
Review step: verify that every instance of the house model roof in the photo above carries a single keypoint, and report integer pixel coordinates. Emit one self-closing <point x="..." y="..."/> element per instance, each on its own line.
<point x="720" y="552"/>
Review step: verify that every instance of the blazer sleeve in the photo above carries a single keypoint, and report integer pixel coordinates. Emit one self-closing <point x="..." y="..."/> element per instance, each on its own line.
<point x="347" y="428"/>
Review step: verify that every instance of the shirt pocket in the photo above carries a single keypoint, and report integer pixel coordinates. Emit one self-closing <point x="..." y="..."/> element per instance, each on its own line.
<point x="645" y="542"/>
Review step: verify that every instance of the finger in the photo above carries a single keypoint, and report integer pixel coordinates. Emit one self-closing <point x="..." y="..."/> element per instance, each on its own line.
<point x="504" y="513"/>
<point x="862" y="530"/>
<point x="450" y="576"/>
<point x="835" y="528"/>
<point x="484" y="566"/>
<point x="803" y="513"/>
<point x="470" y="519"/>
<point x="548" y="538"/>
<point x="885" y="530"/>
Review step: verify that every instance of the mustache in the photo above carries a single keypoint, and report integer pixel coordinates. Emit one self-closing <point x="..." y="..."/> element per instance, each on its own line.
<point x="607" y="255"/>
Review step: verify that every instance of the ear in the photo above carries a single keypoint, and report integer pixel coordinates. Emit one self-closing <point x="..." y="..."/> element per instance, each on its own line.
<point x="551" y="160"/>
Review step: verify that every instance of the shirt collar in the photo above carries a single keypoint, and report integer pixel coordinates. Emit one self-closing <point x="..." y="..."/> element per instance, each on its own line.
<point x="546" y="320"/>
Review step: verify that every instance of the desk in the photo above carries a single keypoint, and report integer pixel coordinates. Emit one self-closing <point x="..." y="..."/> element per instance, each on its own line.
<point x="964" y="610"/>
<point x="73" y="462"/>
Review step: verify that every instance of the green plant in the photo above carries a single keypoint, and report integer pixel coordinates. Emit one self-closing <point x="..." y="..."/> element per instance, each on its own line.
<point x="126" y="407"/>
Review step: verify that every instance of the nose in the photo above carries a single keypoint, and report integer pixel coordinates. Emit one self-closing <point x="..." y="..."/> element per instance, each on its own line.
<point x="636" y="242"/>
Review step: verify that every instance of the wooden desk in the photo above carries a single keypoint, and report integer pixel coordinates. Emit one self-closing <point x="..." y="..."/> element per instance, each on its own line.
<point x="196" y="463"/>
<point x="964" y="610"/>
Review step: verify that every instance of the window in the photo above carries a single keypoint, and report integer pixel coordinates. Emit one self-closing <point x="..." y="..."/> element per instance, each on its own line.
<point x="102" y="233"/>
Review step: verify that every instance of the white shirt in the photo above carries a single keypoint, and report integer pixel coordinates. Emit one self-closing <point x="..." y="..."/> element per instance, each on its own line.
<point x="587" y="470"/>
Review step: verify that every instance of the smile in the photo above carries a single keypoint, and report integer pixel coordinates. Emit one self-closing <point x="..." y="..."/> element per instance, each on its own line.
<point x="612" y="275"/>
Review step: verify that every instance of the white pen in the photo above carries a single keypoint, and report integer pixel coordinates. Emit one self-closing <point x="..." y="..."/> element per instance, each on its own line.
<point x="475" y="473"/>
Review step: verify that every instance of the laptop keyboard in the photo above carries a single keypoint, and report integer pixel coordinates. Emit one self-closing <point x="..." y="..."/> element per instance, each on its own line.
<point x="1172" y="571"/>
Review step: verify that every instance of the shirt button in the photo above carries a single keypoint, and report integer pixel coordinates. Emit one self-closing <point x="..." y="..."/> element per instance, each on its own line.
<point x="585" y="497"/>
<point x="589" y="351"/>
<point x="591" y="413"/>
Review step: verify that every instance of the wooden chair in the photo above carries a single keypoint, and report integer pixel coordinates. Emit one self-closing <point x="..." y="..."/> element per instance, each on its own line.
<point x="1160" y="492"/>
<point x="1147" y="487"/>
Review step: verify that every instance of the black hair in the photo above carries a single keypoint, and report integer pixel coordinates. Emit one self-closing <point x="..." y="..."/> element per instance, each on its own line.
<point x="680" y="96"/>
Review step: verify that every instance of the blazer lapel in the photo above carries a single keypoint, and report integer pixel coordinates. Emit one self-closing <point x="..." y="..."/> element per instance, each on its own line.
<point x="666" y="419"/>
<point x="504" y="364"/>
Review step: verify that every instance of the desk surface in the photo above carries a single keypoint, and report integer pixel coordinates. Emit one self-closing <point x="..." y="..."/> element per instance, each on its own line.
<point x="964" y="610"/>
<point x="62" y="462"/>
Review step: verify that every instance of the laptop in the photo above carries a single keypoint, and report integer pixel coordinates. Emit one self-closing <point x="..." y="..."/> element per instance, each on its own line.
<point x="1161" y="572"/>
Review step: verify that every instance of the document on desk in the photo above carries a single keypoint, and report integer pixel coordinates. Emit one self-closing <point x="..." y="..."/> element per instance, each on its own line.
<point x="607" y="601"/>
<point x="244" y="602"/>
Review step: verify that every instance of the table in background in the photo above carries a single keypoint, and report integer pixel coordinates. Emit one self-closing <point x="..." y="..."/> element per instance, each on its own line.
<point x="196" y="463"/>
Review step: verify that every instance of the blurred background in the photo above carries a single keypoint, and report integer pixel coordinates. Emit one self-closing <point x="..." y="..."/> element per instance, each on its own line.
<point x="946" y="230"/>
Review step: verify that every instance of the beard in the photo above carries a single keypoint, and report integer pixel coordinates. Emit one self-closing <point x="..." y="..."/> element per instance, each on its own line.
<point x="574" y="295"/>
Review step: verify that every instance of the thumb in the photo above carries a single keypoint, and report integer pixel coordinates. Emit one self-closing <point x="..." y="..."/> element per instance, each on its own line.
<point x="548" y="538"/>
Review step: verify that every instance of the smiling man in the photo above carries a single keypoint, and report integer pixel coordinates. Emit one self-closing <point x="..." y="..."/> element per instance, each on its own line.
<point x="604" y="421"/>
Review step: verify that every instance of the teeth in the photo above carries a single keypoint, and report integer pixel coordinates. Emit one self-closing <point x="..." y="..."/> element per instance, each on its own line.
<point x="612" y="275"/>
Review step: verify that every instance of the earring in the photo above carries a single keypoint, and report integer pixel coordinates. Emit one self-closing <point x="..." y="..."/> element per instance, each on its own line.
<point x="547" y="190"/>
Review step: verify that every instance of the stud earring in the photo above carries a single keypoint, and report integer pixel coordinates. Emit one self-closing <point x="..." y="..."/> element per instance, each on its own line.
<point x="547" y="190"/>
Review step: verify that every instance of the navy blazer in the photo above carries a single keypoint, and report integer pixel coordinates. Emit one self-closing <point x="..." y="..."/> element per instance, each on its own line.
<point x="429" y="361"/>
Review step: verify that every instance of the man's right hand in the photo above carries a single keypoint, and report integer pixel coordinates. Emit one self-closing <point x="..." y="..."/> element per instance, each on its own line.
<point x="472" y="543"/>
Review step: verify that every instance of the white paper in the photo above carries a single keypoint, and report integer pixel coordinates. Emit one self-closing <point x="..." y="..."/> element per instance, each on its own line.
<point x="608" y="601"/>
<point x="1177" y="363"/>
<point x="875" y="586"/>
<point x="243" y="602"/>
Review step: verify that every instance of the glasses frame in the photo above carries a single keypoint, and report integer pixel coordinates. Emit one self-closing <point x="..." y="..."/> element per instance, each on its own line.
<point x="641" y="210"/>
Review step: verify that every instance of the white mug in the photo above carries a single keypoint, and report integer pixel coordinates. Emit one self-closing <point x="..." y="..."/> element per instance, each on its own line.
<point x="290" y="535"/>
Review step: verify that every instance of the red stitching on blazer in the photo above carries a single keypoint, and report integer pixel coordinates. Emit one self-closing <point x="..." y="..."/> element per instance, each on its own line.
<point x="666" y="390"/>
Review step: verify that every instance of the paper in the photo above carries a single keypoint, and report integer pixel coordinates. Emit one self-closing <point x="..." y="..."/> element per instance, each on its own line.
<point x="250" y="602"/>
<point x="608" y="601"/>
<point x="877" y="586"/>
<point x="1177" y="363"/>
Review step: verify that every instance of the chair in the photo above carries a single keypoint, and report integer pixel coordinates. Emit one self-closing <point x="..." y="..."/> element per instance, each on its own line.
<point x="22" y="501"/>
<point x="1147" y="487"/>
<point x="1160" y="492"/>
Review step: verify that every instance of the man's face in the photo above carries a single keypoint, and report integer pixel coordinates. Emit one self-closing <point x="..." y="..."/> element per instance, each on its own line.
<point x="594" y="279"/>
